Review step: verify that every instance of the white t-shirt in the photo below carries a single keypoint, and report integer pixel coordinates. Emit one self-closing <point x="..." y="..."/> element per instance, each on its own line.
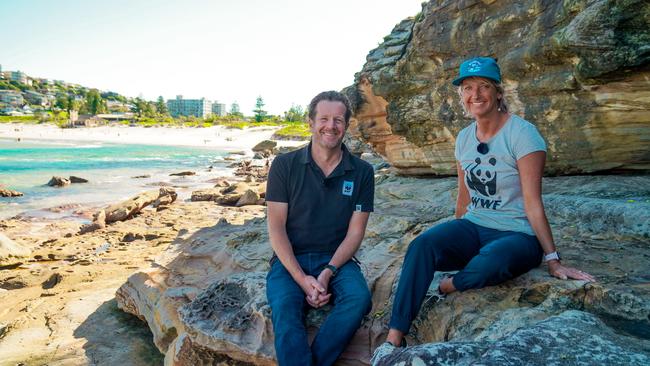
<point x="492" y="179"/>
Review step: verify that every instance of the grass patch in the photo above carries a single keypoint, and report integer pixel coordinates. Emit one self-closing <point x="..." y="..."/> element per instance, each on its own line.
<point x="294" y="130"/>
<point x="19" y="119"/>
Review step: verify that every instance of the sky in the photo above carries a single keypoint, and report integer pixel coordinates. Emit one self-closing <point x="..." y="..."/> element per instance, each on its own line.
<point x="285" y="51"/>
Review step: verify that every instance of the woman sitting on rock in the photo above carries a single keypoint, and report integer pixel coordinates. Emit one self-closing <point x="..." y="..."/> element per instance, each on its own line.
<point x="500" y="230"/>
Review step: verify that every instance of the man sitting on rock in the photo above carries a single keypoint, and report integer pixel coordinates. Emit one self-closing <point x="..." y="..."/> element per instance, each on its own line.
<point x="319" y="199"/>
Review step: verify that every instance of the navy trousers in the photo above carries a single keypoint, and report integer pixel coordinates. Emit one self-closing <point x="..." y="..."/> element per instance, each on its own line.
<point x="483" y="256"/>
<point x="351" y="302"/>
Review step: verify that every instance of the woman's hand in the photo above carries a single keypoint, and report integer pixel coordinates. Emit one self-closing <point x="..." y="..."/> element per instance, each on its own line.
<point x="556" y="269"/>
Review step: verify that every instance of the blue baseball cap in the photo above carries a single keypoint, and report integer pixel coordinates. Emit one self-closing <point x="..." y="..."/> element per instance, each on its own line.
<point x="485" y="67"/>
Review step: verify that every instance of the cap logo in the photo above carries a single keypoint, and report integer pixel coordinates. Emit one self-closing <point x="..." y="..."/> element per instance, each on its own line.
<point x="474" y="66"/>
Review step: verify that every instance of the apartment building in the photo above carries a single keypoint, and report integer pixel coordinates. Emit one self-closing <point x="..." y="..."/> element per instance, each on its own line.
<point x="11" y="98"/>
<point x="18" y="76"/>
<point x="189" y="107"/>
<point x="219" y="109"/>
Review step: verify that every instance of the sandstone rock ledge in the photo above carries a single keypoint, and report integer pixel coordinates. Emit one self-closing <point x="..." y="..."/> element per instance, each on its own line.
<point x="576" y="69"/>
<point x="204" y="298"/>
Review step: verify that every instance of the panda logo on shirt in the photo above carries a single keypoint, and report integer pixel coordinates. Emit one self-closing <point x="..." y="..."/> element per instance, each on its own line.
<point x="482" y="177"/>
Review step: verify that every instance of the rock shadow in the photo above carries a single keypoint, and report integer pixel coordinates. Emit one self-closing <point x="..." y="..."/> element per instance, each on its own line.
<point x="117" y="338"/>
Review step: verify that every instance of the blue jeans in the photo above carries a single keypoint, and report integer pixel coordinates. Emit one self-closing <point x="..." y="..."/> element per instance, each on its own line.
<point x="484" y="256"/>
<point x="351" y="300"/>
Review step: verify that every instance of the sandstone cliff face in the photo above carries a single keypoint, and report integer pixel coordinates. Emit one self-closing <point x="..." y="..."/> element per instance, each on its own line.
<point x="578" y="69"/>
<point x="205" y="300"/>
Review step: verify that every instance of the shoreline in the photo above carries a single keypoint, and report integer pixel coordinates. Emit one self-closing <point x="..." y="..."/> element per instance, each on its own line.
<point x="218" y="138"/>
<point x="214" y="137"/>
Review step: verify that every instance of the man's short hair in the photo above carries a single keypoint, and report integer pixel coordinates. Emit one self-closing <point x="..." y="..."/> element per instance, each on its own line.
<point x="332" y="96"/>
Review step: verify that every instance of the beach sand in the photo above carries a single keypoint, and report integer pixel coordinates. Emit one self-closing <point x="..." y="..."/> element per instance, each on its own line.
<point x="218" y="137"/>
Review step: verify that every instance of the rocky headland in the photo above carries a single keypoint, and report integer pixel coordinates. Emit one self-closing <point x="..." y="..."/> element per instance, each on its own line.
<point x="579" y="70"/>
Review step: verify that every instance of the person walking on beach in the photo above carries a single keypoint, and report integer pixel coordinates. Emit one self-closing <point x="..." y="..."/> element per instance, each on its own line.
<point x="501" y="230"/>
<point x="319" y="199"/>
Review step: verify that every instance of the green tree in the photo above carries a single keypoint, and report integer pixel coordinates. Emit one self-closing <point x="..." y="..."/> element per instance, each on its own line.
<point x="295" y="114"/>
<point x="234" y="108"/>
<point x="61" y="101"/>
<point x="94" y="102"/>
<point x="161" y="107"/>
<point x="235" y="112"/>
<point x="139" y="107"/>
<point x="260" y="114"/>
<point x="143" y="108"/>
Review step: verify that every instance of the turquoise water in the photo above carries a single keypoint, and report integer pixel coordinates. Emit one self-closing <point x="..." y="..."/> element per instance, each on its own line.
<point x="26" y="166"/>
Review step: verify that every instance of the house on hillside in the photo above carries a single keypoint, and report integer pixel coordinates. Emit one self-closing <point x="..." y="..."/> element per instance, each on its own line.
<point x="18" y="76"/>
<point x="11" y="99"/>
<point x="36" y="98"/>
<point x="116" y="117"/>
<point x="89" y="120"/>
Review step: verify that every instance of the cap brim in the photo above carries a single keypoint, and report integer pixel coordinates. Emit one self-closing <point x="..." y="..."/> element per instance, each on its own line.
<point x="460" y="79"/>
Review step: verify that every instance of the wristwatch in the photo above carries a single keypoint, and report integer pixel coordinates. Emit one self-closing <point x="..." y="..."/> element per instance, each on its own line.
<point x="552" y="256"/>
<point x="332" y="268"/>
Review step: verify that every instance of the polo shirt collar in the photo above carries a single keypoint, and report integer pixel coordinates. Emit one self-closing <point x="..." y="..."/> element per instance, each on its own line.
<point x="346" y="160"/>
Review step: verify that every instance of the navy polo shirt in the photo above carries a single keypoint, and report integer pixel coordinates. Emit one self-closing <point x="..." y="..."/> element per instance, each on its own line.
<point x="320" y="207"/>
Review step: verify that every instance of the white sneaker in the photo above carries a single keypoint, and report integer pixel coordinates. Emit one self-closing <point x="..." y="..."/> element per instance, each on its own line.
<point x="382" y="351"/>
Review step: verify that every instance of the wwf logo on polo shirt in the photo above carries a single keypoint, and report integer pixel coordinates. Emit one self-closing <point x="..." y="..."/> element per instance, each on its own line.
<point x="348" y="188"/>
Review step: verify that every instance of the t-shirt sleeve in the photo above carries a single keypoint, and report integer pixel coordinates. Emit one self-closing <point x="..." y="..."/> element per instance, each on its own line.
<point x="367" y="194"/>
<point x="528" y="140"/>
<point x="277" y="183"/>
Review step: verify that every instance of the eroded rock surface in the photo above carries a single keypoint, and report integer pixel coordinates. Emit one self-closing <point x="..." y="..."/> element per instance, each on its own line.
<point x="579" y="70"/>
<point x="571" y="338"/>
<point x="204" y="298"/>
<point x="10" y="251"/>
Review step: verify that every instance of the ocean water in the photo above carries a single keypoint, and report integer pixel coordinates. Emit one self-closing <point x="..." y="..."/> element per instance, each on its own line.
<point x="28" y="165"/>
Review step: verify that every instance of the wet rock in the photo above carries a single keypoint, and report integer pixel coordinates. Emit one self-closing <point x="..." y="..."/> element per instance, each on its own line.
<point x="13" y="283"/>
<point x="9" y="193"/>
<point x="74" y="179"/>
<point x="183" y="174"/>
<point x="141" y="176"/>
<point x="52" y="281"/>
<point x="160" y="184"/>
<point x="58" y="182"/>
